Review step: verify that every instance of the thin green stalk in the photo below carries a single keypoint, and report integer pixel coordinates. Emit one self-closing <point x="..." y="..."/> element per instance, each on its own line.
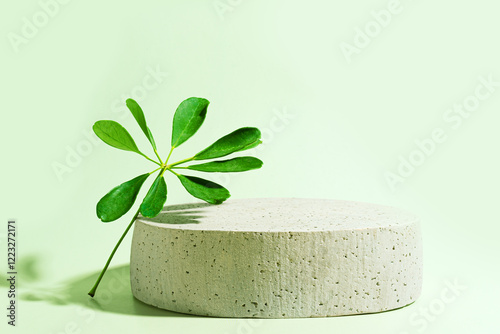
<point x="145" y="156"/>
<point x="169" y="154"/>
<point x="158" y="156"/>
<point x="173" y="172"/>
<point x="94" y="288"/>
<point x="155" y="170"/>
<point x="180" y="162"/>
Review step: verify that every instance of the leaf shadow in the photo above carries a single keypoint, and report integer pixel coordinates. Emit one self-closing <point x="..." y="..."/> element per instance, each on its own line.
<point x="113" y="295"/>
<point x="180" y="214"/>
<point x="28" y="267"/>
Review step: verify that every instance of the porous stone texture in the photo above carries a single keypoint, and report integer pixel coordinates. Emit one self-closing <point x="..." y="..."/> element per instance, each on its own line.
<point x="277" y="258"/>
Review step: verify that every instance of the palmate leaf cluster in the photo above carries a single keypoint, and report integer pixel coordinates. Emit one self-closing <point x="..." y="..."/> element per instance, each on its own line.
<point x="188" y="118"/>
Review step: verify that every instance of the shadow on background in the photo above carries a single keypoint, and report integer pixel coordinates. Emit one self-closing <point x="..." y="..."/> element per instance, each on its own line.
<point x="113" y="295"/>
<point x="28" y="266"/>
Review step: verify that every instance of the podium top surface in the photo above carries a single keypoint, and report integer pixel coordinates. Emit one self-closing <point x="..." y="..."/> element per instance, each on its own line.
<point x="280" y="215"/>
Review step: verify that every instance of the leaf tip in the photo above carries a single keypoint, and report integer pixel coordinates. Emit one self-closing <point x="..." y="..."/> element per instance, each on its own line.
<point x="130" y="101"/>
<point x="95" y="126"/>
<point x="201" y="100"/>
<point x="104" y="218"/>
<point x="219" y="201"/>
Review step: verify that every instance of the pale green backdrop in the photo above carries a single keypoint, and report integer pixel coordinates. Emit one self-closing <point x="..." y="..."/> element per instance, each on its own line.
<point x="349" y="96"/>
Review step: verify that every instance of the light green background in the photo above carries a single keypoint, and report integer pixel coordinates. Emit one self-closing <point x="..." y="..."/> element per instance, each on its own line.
<point x="347" y="124"/>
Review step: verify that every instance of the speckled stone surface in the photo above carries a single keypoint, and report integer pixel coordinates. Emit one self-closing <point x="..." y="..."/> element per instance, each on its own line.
<point x="277" y="258"/>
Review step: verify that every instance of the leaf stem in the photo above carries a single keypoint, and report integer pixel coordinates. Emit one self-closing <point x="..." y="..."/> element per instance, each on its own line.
<point x="173" y="172"/>
<point x="180" y="162"/>
<point x="145" y="156"/>
<point x="158" y="156"/>
<point x="163" y="171"/>
<point x="155" y="170"/>
<point x="94" y="288"/>
<point x="169" y="154"/>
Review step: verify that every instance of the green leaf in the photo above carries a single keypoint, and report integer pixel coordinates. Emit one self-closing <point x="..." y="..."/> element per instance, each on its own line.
<point x="252" y="145"/>
<point x="188" y="118"/>
<point x="151" y="139"/>
<point x="157" y="195"/>
<point x="239" y="140"/>
<point x="136" y="110"/>
<point x="240" y="164"/>
<point x="113" y="134"/>
<point x="120" y="199"/>
<point x="208" y="191"/>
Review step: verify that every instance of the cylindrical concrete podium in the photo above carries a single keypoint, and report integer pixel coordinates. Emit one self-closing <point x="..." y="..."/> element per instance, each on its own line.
<point x="277" y="258"/>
